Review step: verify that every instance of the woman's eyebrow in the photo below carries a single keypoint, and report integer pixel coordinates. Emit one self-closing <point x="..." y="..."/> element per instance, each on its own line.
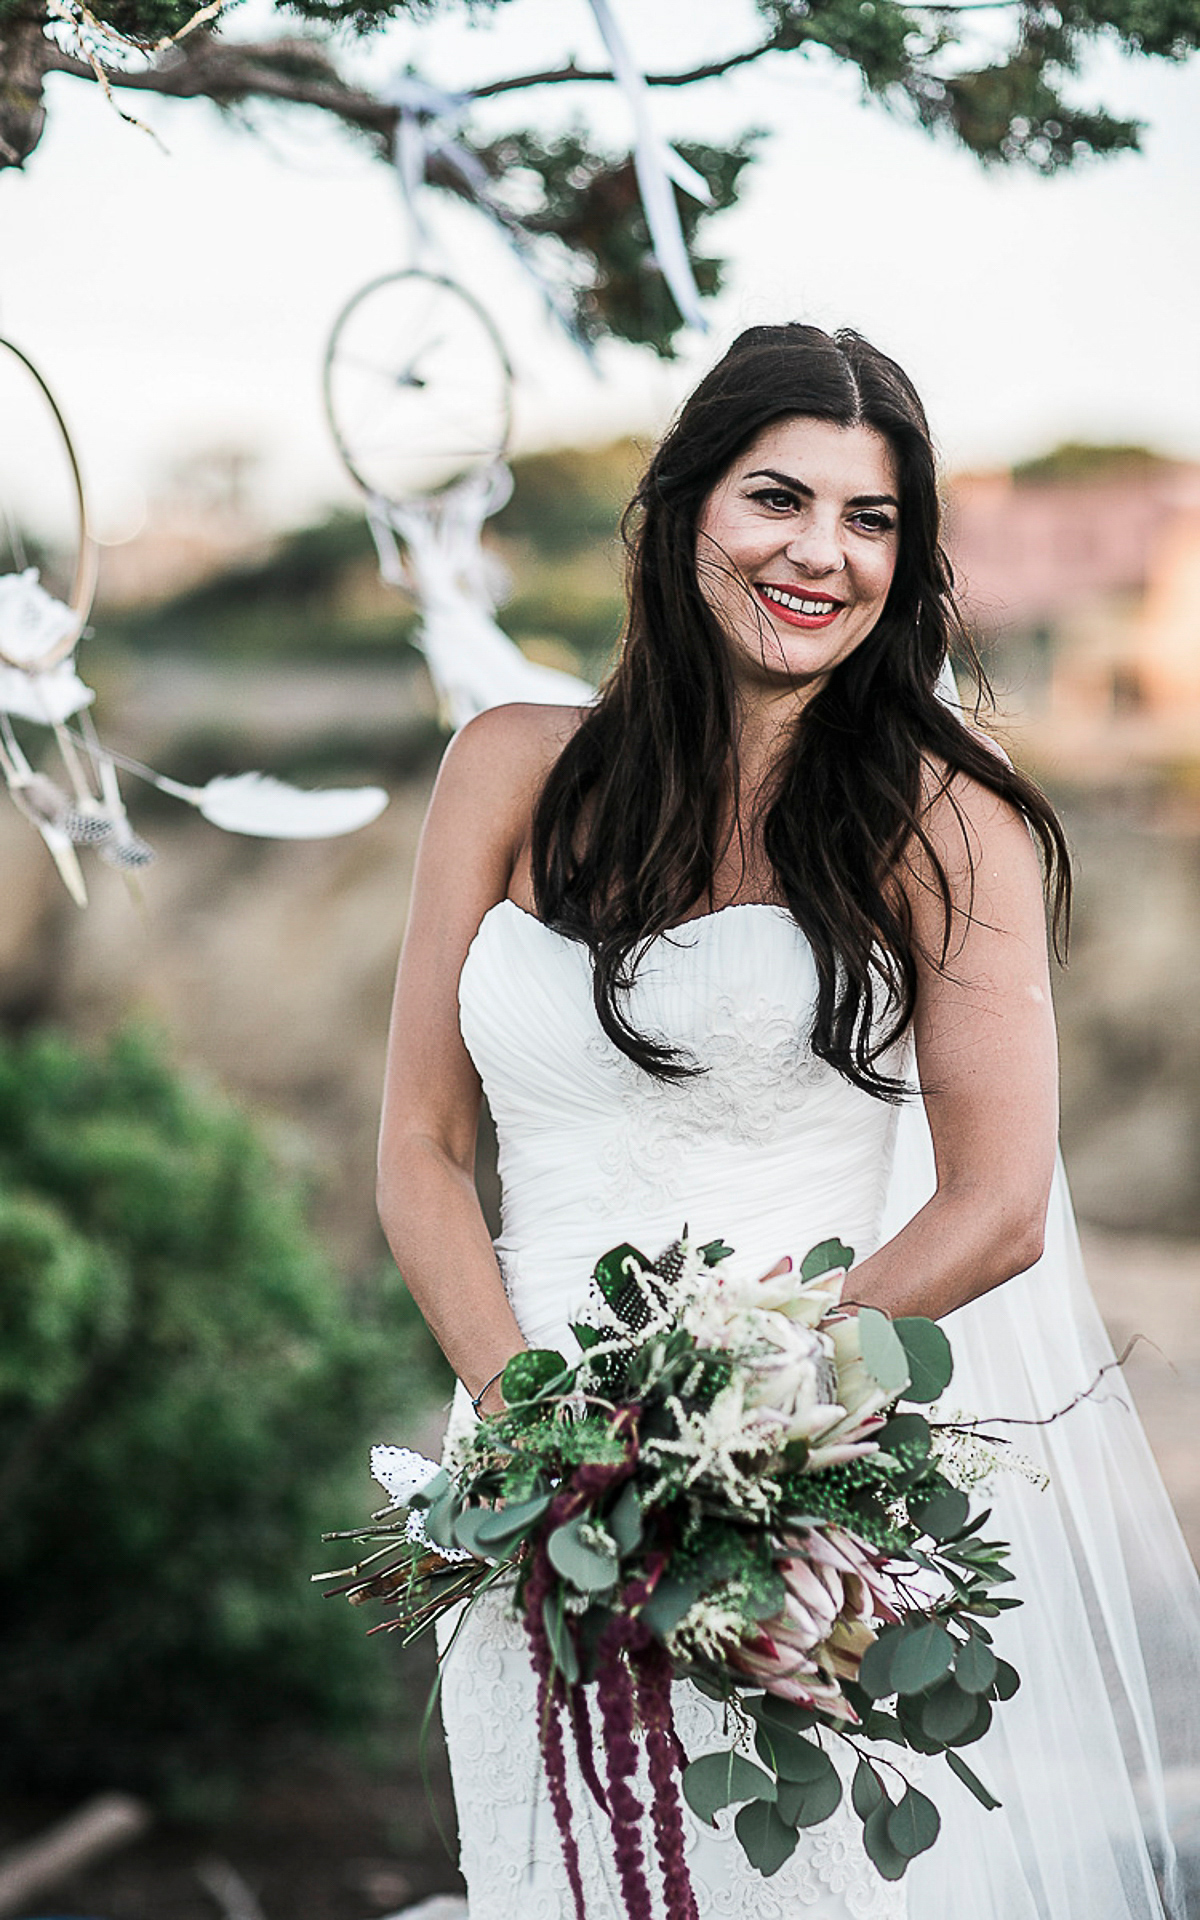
<point x="798" y="486"/>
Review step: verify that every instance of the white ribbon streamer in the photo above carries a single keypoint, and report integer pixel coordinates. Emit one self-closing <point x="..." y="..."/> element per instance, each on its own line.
<point x="427" y="127"/>
<point x="427" y="123"/>
<point x="657" y="164"/>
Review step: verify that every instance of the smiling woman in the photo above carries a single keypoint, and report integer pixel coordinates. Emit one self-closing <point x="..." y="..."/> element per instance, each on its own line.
<point x="757" y="942"/>
<point x="788" y="595"/>
<point x="801" y="537"/>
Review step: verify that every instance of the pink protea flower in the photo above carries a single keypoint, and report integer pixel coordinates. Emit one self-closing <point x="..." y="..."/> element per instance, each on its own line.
<point x="869" y="1592"/>
<point x="836" y="1586"/>
<point x="787" y="1673"/>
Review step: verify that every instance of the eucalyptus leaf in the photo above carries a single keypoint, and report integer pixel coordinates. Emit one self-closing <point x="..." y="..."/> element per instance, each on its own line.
<point x="970" y="1779"/>
<point x="881" y="1852"/>
<point x="913" y="1824"/>
<point x="884" y="1726"/>
<point x="719" y="1780"/>
<point x="562" y="1647"/>
<point x="828" y="1257"/>
<point x="905" y="1434"/>
<point x="439" y="1521"/>
<point x="866" y="1791"/>
<point x="465" y="1531"/>
<point x="503" y="1525"/>
<point x="1007" y="1680"/>
<point x="883" y="1354"/>
<point x="948" y="1712"/>
<point x="980" y="1724"/>
<point x="791" y="1756"/>
<point x="954" y="1718"/>
<point x="940" y="1513"/>
<point x="714" y="1252"/>
<point x="766" y="1840"/>
<point x="782" y="1713"/>
<point x="908" y="1712"/>
<point x="930" y="1362"/>
<point x="624" y="1519"/>
<point x="923" y="1654"/>
<point x="805" y="1803"/>
<point x="975" y="1667"/>
<point x="583" y="1555"/>
<point x="875" y="1673"/>
<point x="672" y="1598"/>
<point x="432" y="1490"/>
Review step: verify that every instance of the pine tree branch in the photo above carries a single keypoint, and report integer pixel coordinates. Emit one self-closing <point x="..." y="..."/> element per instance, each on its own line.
<point x="711" y="70"/>
<point x="293" y="71"/>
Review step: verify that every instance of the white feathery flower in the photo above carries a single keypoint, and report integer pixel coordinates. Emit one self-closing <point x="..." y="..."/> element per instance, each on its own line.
<point x="414" y="1530"/>
<point x="32" y="621"/>
<point x="970" y="1460"/>
<point x="401" y="1472"/>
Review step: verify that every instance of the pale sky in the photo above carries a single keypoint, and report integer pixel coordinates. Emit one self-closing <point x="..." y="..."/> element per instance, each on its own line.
<point x="180" y="299"/>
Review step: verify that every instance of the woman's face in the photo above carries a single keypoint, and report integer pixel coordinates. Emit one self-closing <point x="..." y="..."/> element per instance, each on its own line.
<point x="796" y="548"/>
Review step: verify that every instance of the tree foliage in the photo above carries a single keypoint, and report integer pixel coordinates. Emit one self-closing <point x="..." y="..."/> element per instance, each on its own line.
<point x="186" y="1392"/>
<point x="913" y="56"/>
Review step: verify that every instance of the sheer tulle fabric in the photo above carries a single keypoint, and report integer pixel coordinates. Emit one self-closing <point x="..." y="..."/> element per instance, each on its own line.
<point x="1097" y="1759"/>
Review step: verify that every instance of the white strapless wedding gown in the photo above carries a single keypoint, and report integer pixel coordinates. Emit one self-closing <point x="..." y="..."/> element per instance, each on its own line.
<point x="1097" y="1759"/>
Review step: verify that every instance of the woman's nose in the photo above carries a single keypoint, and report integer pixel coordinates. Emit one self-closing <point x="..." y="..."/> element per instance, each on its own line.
<point x="816" y="550"/>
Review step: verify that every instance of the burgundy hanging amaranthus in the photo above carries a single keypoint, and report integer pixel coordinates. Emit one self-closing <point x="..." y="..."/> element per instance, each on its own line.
<point x="539" y="1584"/>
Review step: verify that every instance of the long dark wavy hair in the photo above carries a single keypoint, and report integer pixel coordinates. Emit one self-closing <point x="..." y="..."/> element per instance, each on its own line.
<point x="633" y="818"/>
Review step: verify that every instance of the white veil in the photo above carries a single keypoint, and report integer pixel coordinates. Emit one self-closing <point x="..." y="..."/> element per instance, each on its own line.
<point x="1096" y="1760"/>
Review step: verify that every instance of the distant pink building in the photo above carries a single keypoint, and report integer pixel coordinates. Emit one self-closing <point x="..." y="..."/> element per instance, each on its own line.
<point x="1086" y="592"/>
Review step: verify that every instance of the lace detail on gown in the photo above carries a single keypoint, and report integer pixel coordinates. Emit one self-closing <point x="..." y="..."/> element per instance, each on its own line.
<point x="511" y="1854"/>
<point x="759" y="1072"/>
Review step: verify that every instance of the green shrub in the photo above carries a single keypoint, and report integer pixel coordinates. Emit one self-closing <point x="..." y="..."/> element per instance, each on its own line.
<point x="186" y="1393"/>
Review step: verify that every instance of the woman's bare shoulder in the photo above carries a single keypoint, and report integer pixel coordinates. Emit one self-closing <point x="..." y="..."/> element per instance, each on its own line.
<point x="490" y="777"/>
<point x="508" y="751"/>
<point x="965" y="820"/>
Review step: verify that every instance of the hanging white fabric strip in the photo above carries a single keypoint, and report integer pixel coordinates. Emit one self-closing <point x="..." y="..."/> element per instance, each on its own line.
<point x="657" y="165"/>
<point x="427" y="127"/>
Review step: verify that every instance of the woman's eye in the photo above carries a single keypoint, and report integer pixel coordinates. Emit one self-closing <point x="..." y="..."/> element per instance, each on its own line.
<point x="873" y="521"/>
<point x="776" y="498"/>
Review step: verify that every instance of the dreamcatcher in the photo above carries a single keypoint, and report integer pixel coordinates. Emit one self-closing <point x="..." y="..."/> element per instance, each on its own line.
<point x="72" y="794"/>
<point x="418" y="390"/>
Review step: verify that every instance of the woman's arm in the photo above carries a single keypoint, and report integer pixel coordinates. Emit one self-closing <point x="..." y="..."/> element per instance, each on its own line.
<point x="988" y="1062"/>
<point x="477" y="824"/>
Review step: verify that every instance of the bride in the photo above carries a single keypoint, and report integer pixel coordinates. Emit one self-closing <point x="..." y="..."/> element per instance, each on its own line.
<point x="757" y="943"/>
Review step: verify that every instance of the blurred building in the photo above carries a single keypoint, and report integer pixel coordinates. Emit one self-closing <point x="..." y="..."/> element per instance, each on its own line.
<point x="1081" y="574"/>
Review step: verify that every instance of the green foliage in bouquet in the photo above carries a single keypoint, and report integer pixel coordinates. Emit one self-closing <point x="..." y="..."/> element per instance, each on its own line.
<point x="183" y="1383"/>
<point x="733" y="1483"/>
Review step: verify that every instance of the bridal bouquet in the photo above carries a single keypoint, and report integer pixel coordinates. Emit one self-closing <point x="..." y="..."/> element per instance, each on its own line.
<point x="720" y="1488"/>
